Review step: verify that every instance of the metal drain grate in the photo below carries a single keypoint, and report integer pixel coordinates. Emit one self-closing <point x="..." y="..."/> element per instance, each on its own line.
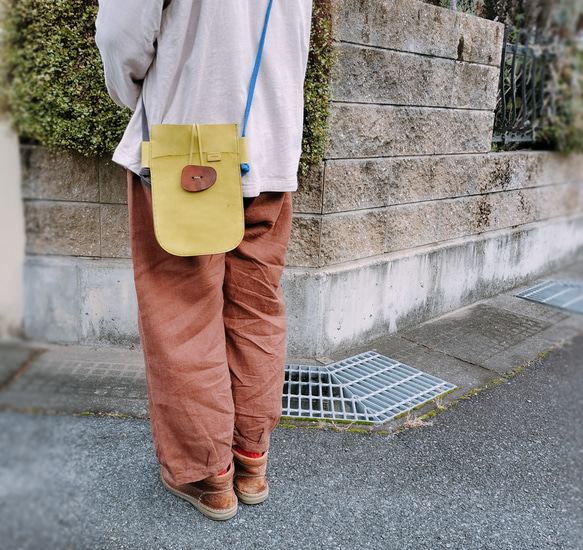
<point x="565" y="295"/>
<point x="367" y="388"/>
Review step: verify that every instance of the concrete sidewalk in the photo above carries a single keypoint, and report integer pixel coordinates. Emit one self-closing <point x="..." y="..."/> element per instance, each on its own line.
<point x="469" y="348"/>
<point x="500" y="470"/>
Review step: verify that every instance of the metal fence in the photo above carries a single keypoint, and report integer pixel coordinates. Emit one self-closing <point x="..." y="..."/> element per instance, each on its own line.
<point x="523" y="98"/>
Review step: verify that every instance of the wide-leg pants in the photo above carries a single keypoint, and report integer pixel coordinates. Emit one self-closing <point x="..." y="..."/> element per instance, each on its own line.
<point x="213" y="334"/>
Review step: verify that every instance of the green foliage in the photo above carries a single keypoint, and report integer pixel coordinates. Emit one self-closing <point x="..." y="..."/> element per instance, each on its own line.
<point x="559" y="17"/>
<point x="564" y="131"/>
<point x="568" y="16"/>
<point x="471" y="7"/>
<point x="321" y="61"/>
<point x="52" y="87"/>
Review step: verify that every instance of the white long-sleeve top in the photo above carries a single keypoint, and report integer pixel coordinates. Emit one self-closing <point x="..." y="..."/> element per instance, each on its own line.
<point x="191" y="62"/>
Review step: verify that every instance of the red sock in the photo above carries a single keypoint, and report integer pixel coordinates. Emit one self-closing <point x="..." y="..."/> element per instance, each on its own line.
<point x="224" y="471"/>
<point x="245" y="453"/>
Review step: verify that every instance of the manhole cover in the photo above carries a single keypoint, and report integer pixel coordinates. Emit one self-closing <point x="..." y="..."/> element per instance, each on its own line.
<point x="367" y="388"/>
<point x="565" y="295"/>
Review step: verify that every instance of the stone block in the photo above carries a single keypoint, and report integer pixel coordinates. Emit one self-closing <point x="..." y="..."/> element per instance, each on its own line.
<point x="352" y="236"/>
<point x="479" y="40"/>
<point x="551" y="168"/>
<point x="407" y="26"/>
<point x="308" y="198"/>
<point x="432" y="178"/>
<point x="412" y="225"/>
<point x="49" y="175"/>
<point x="513" y="170"/>
<point x="505" y="171"/>
<point x="356" y="184"/>
<point x="572" y="199"/>
<point x="556" y="201"/>
<point x="419" y="179"/>
<point x="367" y="75"/>
<point x="508" y="209"/>
<point x="416" y="27"/>
<point x="475" y="215"/>
<point x="304" y="244"/>
<point x="68" y="229"/>
<point x="356" y="235"/>
<point x="115" y="238"/>
<point x="462" y="217"/>
<point x="474" y="86"/>
<point x="361" y="131"/>
<point x="113" y="184"/>
<point x="80" y="301"/>
<point x="427" y="223"/>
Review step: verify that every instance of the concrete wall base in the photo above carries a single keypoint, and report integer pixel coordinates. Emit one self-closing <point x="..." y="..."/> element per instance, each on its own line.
<point x="339" y="307"/>
<point x="93" y="302"/>
<point x="80" y="301"/>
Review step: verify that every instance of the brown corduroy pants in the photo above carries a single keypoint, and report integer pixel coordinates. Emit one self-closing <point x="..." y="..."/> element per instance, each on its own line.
<point x="213" y="335"/>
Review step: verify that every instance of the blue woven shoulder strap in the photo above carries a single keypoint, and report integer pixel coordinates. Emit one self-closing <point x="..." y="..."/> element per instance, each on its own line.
<point x="245" y="167"/>
<point x="256" y="69"/>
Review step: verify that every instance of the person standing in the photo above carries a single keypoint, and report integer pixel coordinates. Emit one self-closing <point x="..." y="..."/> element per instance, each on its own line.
<point x="212" y="327"/>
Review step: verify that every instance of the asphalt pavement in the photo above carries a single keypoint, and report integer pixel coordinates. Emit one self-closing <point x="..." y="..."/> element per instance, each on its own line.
<point x="500" y="468"/>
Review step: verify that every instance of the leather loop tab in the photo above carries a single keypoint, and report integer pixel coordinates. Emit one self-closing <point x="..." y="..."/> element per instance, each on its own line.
<point x="146" y="154"/>
<point x="198" y="178"/>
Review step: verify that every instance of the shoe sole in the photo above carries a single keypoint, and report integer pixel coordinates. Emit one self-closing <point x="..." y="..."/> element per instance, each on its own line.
<point x="252" y="499"/>
<point x="208" y="512"/>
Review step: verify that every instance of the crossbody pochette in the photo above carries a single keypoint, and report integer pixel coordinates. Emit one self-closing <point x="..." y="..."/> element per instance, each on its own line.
<point x="194" y="172"/>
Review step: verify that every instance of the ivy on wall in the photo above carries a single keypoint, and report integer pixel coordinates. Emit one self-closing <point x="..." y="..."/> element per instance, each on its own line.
<point x="52" y="86"/>
<point x="53" y="89"/>
<point x="321" y="61"/>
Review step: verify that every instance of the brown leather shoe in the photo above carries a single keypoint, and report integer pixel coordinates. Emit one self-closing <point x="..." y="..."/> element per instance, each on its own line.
<point x="249" y="481"/>
<point x="213" y="496"/>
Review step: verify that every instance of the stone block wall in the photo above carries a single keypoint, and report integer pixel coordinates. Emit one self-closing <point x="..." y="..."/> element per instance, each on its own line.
<point x="74" y="205"/>
<point x="414" y="96"/>
<point x="377" y="206"/>
<point x="409" y="215"/>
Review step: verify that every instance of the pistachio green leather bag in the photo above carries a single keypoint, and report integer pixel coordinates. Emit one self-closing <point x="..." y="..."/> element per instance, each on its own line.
<point x="194" y="172"/>
<point x="197" y="196"/>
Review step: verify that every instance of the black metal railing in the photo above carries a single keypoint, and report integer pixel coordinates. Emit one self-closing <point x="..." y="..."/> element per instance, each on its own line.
<point x="523" y="98"/>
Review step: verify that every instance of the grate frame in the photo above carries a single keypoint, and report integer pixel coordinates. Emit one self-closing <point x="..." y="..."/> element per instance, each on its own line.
<point x="368" y="387"/>
<point x="563" y="295"/>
